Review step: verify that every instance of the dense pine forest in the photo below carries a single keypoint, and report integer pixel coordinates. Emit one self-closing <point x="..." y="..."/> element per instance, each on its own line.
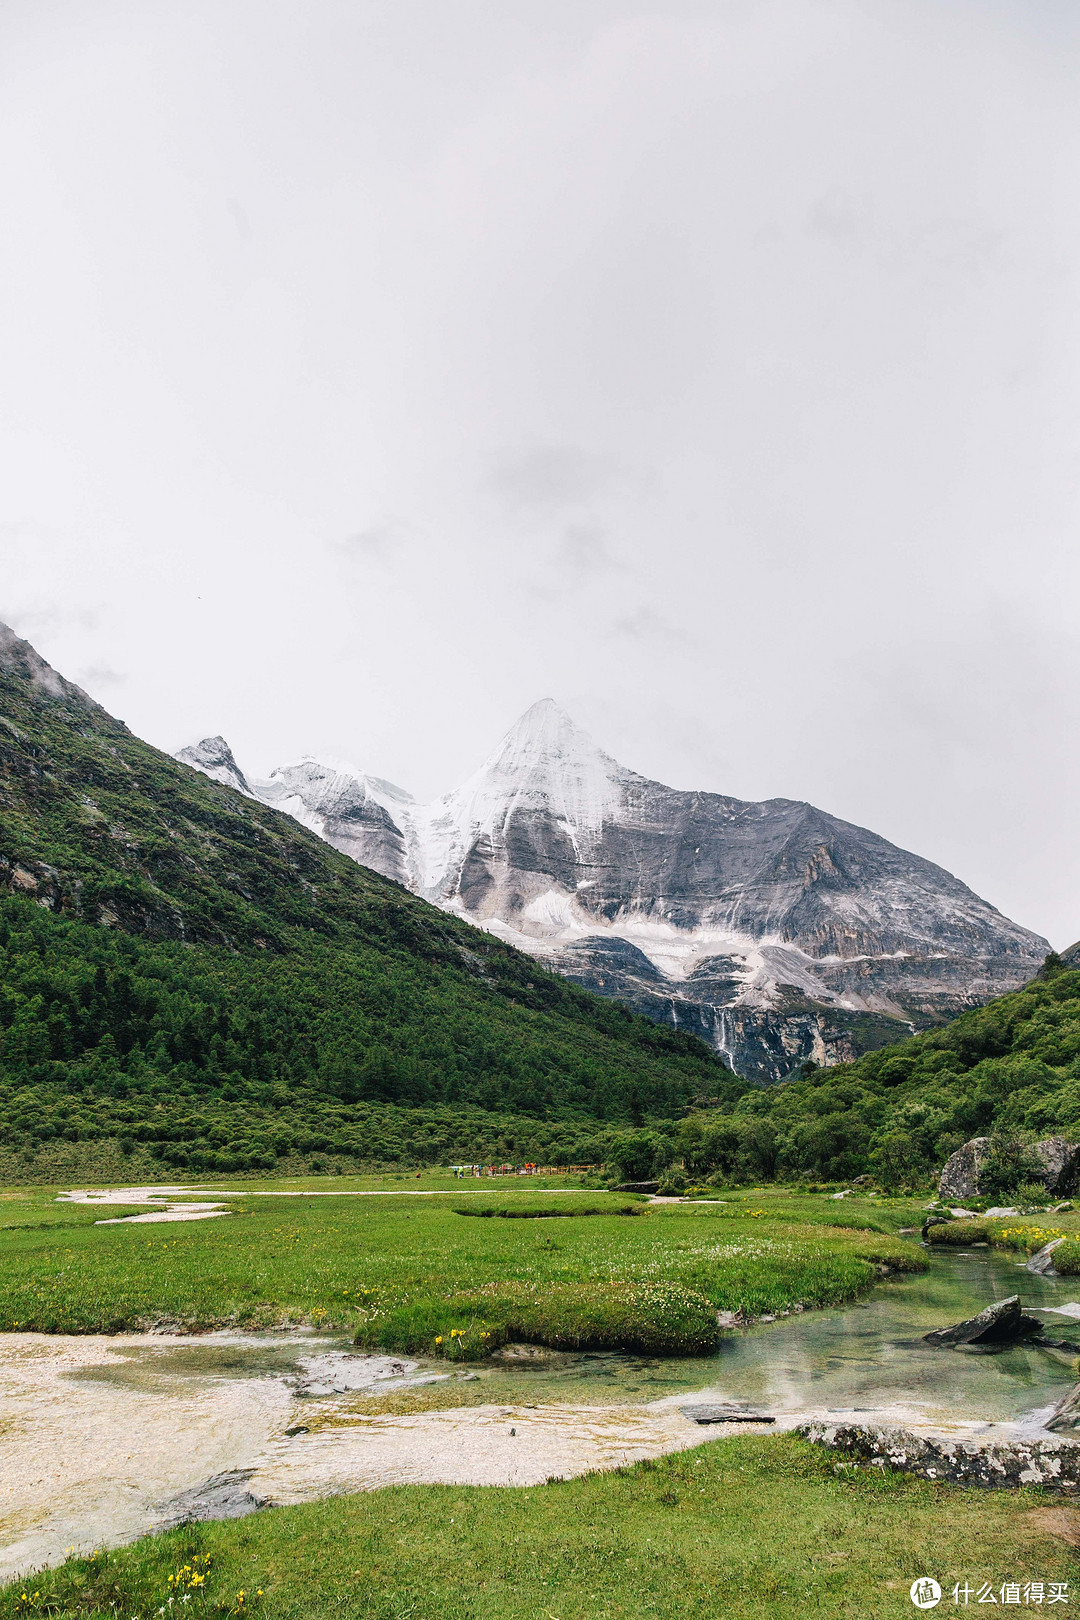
<point x="210" y="1059"/>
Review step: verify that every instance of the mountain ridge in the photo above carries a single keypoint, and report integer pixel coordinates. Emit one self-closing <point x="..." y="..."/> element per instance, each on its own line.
<point x="182" y="959"/>
<point x="772" y="929"/>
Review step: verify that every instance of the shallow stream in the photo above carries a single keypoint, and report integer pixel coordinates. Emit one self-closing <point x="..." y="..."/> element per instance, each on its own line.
<point x="103" y="1438"/>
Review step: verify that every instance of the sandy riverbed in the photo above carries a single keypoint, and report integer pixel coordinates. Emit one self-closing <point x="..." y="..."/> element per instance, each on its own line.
<point x="95" y="1445"/>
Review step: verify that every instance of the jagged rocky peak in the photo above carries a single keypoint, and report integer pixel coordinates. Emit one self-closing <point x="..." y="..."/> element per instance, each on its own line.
<point x="214" y="758"/>
<point x="361" y="815"/>
<point x="330" y="784"/>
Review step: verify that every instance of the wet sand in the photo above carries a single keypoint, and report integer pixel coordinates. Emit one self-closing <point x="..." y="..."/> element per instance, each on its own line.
<point x="94" y="1445"/>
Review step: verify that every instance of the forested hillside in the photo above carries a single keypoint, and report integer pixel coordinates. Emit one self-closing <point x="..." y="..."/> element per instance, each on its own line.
<point x="1012" y="1067"/>
<point x="185" y="969"/>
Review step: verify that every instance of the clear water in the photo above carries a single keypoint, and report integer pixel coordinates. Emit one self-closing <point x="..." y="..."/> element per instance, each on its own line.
<point x="868" y="1354"/>
<point x="160" y="1367"/>
<point x="872" y="1353"/>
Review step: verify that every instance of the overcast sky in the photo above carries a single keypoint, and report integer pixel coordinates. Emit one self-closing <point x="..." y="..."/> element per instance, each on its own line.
<point x="369" y="370"/>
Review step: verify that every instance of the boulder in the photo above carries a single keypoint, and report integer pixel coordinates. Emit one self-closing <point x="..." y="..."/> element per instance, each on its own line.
<point x="1000" y="1324"/>
<point x="1061" y="1159"/>
<point x="1042" y="1261"/>
<point x="223" y="1496"/>
<point x="990" y="1459"/>
<point x="960" y="1177"/>
<point x="724" y="1412"/>
<point x="1066" y="1414"/>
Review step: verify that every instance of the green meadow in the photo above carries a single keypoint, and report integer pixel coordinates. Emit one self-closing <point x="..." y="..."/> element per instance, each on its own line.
<point x="418" y="1274"/>
<point x="754" y="1528"/>
<point x="743" y="1528"/>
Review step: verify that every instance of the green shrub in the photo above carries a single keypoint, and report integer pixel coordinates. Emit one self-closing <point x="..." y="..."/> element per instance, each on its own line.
<point x="655" y="1319"/>
<point x="1010" y="1163"/>
<point x="556" y="1211"/>
<point x="1067" y="1258"/>
<point x="1030" y="1192"/>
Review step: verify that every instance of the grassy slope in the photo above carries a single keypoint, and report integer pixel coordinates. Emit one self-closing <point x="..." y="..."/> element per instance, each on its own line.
<point x="899" y="1112"/>
<point x="190" y="974"/>
<point x="406" y="1273"/>
<point x="751" y="1529"/>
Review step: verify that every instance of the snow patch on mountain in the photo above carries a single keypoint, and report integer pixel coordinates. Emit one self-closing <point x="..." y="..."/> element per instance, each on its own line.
<point x="544" y="765"/>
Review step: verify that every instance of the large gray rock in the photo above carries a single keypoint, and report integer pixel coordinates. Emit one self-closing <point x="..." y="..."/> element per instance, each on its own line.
<point x="1061" y="1159"/>
<point x="962" y="1173"/>
<point x="985" y="1460"/>
<point x="223" y="1496"/>
<point x="1042" y="1261"/>
<point x="1001" y="1323"/>
<point x="960" y="1177"/>
<point x="1066" y="1414"/>
<point x="724" y="1412"/>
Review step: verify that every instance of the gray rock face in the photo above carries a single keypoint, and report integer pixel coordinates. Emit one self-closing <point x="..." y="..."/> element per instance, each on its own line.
<point x="999" y="1324"/>
<point x="773" y="930"/>
<point x="1042" y="1261"/>
<point x="223" y="1496"/>
<point x="960" y="1178"/>
<point x="360" y="815"/>
<point x="214" y="758"/>
<point x="1060" y="1159"/>
<point x="724" y="1412"/>
<point x="1066" y="1414"/>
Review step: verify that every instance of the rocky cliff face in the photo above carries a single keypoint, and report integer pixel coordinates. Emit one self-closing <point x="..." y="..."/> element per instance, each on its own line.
<point x="777" y="932"/>
<point x="214" y="758"/>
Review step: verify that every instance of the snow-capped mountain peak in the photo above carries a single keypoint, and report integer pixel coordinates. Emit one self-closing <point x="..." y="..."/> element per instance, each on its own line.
<point x="359" y="814"/>
<point x="547" y="762"/>
<point x="328" y="781"/>
<point x="773" y="929"/>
